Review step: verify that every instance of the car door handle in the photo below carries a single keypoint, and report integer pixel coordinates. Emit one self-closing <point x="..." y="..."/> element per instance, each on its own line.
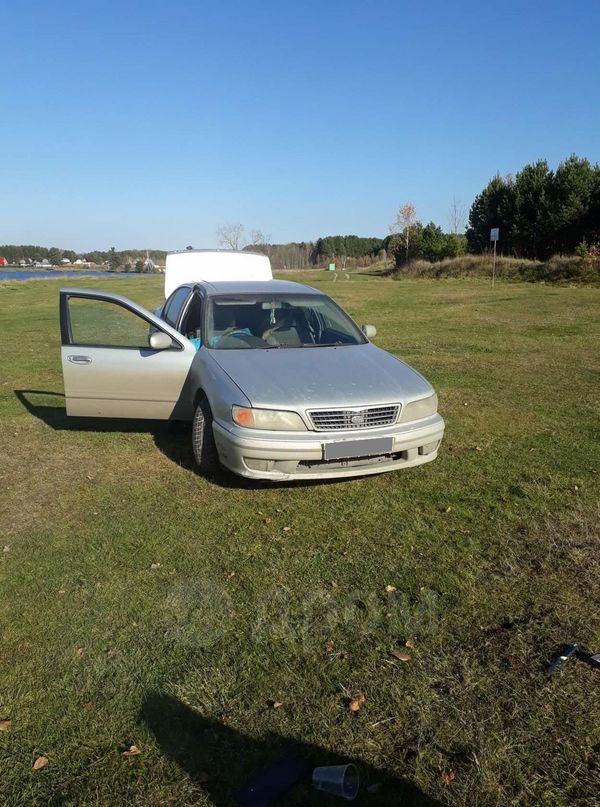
<point x="79" y="359"/>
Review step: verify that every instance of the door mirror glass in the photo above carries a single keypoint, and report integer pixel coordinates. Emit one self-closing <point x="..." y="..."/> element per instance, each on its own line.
<point x="369" y="331"/>
<point x="160" y="340"/>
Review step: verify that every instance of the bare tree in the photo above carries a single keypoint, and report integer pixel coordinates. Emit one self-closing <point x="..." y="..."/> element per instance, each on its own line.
<point x="405" y="218"/>
<point x="260" y="242"/>
<point x="258" y="238"/>
<point x="231" y="235"/>
<point x="457" y="216"/>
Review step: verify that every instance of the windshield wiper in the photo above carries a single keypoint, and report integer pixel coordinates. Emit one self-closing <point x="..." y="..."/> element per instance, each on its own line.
<point x="322" y="344"/>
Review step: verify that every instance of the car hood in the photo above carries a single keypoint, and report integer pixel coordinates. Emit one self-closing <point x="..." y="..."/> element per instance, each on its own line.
<point x="299" y="378"/>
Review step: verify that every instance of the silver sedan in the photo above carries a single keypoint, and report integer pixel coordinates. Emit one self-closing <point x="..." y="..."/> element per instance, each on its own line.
<point x="276" y="378"/>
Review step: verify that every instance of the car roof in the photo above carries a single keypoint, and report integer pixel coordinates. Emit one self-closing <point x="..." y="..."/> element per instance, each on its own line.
<point x="254" y="287"/>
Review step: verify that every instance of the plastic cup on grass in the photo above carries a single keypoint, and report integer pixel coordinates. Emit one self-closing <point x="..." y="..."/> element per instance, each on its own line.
<point x="339" y="780"/>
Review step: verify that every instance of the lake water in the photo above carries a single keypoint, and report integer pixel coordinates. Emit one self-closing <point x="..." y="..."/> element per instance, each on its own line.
<point x="26" y="275"/>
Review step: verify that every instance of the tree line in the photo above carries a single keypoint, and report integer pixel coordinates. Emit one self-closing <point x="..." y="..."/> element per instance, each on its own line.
<point x="540" y="212"/>
<point x="126" y="259"/>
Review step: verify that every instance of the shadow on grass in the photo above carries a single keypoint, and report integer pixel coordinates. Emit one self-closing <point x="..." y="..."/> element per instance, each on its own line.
<point x="172" y="438"/>
<point x="225" y="762"/>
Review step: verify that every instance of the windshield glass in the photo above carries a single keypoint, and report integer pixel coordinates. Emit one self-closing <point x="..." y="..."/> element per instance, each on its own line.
<point x="278" y="321"/>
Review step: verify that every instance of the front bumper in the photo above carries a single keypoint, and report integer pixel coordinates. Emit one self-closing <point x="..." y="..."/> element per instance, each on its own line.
<point x="300" y="455"/>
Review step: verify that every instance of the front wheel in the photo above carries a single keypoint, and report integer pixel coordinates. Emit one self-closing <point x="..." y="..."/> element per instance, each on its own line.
<point x="203" y="440"/>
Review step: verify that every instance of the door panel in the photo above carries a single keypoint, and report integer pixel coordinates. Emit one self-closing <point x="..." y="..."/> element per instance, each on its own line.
<point x="108" y="368"/>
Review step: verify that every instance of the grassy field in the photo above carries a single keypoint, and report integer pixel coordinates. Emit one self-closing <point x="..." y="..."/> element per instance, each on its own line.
<point x="141" y="605"/>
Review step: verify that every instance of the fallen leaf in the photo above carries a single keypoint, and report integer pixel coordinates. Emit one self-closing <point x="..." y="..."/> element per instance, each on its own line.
<point x="357" y="702"/>
<point x="6" y="548"/>
<point x="267" y="520"/>
<point x="40" y="763"/>
<point x="477" y="448"/>
<point x="132" y="751"/>
<point x="61" y="591"/>
<point x="80" y="652"/>
<point x="5" y="725"/>
<point x="390" y="589"/>
<point x="448" y="509"/>
<point x="448" y="776"/>
<point x="329" y="645"/>
<point x="274" y="704"/>
<point x="401" y="656"/>
<point x="410" y="644"/>
<point x="287" y="529"/>
<point x="230" y="575"/>
<point x="333" y="584"/>
<point x="155" y="565"/>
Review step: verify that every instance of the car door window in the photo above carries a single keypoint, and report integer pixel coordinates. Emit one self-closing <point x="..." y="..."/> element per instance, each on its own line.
<point x="100" y="323"/>
<point x="174" y="305"/>
<point x="191" y="324"/>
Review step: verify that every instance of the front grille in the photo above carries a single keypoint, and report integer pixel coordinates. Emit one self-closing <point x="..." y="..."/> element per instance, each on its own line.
<point x="358" y="417"/>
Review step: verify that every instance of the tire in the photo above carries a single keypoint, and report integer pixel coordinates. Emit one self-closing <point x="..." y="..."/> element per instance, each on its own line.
<point x="203" y="440"/>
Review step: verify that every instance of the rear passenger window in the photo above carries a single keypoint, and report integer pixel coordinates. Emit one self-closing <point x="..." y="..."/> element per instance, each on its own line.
<point x="174" y="305"/>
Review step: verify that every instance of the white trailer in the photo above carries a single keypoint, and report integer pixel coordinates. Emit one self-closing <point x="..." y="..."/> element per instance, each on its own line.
<point x="196" y="265"/>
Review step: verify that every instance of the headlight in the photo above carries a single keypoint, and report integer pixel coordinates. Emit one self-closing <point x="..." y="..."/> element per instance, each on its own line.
<point x="415" y="410"/>
<point x="269" y="419"/>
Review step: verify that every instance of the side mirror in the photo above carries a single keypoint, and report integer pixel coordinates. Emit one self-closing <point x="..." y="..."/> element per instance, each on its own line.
<point x="369" y="331"/>
<point x="160" y="340"/>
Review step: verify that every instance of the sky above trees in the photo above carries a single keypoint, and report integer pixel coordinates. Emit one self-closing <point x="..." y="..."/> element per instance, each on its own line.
<point x="153" y="124"/>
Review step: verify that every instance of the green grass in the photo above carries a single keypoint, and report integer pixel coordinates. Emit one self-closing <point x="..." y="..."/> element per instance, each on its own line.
<point x="492" y="550"/>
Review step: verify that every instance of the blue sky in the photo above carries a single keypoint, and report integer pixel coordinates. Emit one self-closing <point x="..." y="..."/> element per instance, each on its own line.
<point x="149" y="124"/>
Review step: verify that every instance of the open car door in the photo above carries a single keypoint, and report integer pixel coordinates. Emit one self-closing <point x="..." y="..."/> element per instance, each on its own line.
<point x="111" y="369"/>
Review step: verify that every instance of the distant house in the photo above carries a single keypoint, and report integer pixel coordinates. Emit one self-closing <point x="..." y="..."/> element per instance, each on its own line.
<point x="65" y="260"/>
<point x="78" y="262"/>
<point x="3" y="261"/>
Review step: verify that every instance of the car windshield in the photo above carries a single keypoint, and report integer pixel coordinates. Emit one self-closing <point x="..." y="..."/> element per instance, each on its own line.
<point x="278" y="321"/>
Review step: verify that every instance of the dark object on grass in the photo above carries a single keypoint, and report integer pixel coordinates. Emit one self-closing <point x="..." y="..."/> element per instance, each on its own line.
<point x="200" y="744"/>
<point x="272" y="783"/>
<point x="566" y="654"/>
<point x="339" y="780"/>
<point x="581" y="653"/>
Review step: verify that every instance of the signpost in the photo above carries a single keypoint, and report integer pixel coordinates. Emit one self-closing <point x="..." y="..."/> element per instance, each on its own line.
<point x="495" y="237"/>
